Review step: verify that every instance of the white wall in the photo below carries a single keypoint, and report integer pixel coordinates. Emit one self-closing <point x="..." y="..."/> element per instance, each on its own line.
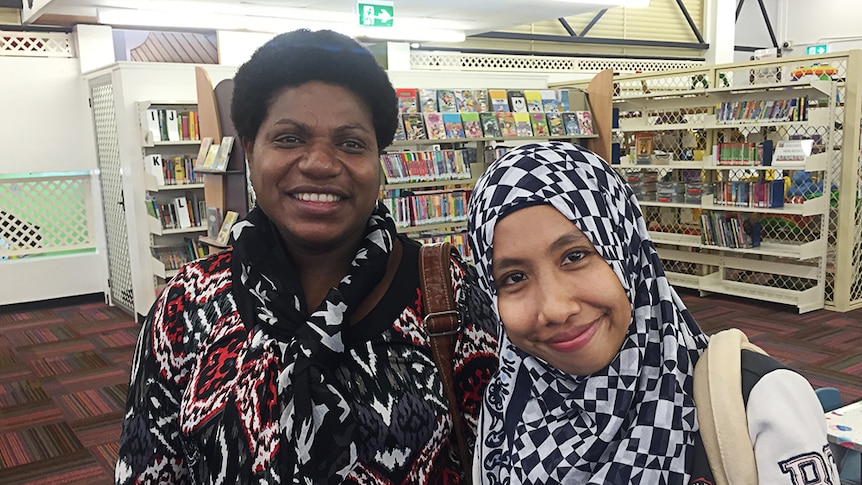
<point x="834" y="22"/>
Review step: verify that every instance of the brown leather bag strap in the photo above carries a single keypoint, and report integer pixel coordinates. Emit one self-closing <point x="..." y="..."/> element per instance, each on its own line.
<point x="443" y="323"/>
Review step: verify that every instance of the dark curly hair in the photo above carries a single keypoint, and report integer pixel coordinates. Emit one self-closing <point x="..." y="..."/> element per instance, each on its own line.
<point x="295" y="58"/>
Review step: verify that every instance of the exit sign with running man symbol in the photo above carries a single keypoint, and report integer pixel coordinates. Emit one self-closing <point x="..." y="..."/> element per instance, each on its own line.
<point x="376" y="14"/>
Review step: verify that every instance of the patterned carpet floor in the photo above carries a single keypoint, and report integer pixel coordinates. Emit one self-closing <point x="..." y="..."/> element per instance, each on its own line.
<point x="64" y="374"/>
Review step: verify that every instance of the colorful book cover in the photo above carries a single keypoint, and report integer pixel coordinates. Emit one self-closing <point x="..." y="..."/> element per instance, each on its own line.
<point x="202" y="152"/>
<point x="570" y="123"/>
<point x="400" y="134"/>
<point x="465" y="100"/>
<point x="427" y="100"/>
<point x="446" y="101"/>
<point x="563" y="99"/>
<point x="223" y="156"/>
<point x="522" y="125"/>
<point x="454" y="127"/>
<point x="549" y="101"/>
<point x="434" y="126"/>
<point x="555" y="124"/>
<point x="517" y="101"/>
<point x="540" y="125"/>
<point x="585" y="122"/>
<point x="534" y="101"/>
<point x="482" y="102"/>
<point x="499" y="101"/>
<point x="472" y="128"/>
<point x="227" y="223"/>
<point x="490" y="127"/>
<point x="414" y="126"/>
<point x="507" y="125"/>
<point x="407" y="100"/>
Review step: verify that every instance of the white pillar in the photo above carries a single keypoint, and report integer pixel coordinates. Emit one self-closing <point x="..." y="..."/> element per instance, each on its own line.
<point x="95" y="46"/>
<point x="720" y="30"/>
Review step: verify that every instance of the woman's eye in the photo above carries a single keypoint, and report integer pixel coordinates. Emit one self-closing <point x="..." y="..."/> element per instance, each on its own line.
<point x="353" y="145"/>
<point x="512" y="278"/>
<point x="575" y="256"/>
<point x="287" y="139"/>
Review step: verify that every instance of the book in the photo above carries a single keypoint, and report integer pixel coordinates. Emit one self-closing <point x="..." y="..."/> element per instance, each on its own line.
<point x="549" y="101"/>
<point x="563" y="100"/>
<point x="522" y="124"/>
<point x="534" y="101"/>
<point x="213" y="221"/>
<point x="470" y="122"/>
<point x="481" y="99"/>
<point x="414" y="126"/>
<point x="585" y="122"/>
<point x="490" y="127"/>
<point x="539" y="123"/>
<point x="201" y="159"/>
<point x="156" y="168"/>
<point x="407" y="100"/>
<point x="224" y="232"/>
<point x="173" y="125"/>
<point x="446" y="101"/>
<point x="506" y="121"/>
<point x="209" y="161"/>
<point x="181" y="205"/>
<point x="427" y="100"/>
<point x="499" y="100"/>
<point x="400" y="134"/>
<point x="454" y="127"/>
<point x="570" y="123"/>
<point x="434" y="126"/>
<point x="555" y="124"/>
<point x="223" y="155"/>
<point x="517" y="101"/>
<point x="465" y="100"/>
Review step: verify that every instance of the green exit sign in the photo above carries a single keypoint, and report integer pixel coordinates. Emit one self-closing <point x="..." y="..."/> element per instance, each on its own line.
<point x="376" y="15"/>
<point x="816" y="49"/>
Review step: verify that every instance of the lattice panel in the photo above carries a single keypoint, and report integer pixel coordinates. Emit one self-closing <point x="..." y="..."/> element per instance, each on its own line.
<point x="693" y="79"/>
<point x="44" y="215"/>
<point x="36" y="44"/>
<point x="119" y="265"/>
<point x="434" y="60"/>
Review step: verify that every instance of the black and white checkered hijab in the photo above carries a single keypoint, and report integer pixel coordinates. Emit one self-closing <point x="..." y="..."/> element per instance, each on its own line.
<point x="632" y="422"/>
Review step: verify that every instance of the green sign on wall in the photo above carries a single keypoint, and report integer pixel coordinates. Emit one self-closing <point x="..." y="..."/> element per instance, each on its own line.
<point x="376" y="15"/>
<point x="816" y="49"/>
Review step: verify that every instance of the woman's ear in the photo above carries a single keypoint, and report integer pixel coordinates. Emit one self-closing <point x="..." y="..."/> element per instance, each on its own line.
<point x="248" y="148"/>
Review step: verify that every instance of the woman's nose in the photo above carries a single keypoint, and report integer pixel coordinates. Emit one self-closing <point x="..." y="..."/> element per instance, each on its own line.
<point x="558" y="302"/>
<point x="320" y="159"/>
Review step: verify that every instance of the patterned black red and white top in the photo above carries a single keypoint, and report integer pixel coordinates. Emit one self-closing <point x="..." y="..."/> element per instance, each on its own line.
<point x="203" y="404"/>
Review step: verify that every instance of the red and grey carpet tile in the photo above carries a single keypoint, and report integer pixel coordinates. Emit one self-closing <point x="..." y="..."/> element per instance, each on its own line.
<point x="64" y="372"/>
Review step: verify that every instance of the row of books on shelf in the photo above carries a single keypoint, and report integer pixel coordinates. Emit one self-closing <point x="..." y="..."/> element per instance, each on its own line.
<point x="179" y="212"/>
<point x="177" y="255"/>
<point x="743" y="153"/>
<point x="412" y="100"/>
<point x="418" y="208"/>
<point x="173" y="170"/>
<point x="457" y="239"/>
<point x="795" y="109"/>
<point x="425" y="166"/>
<point x="166" y="124"/>
<point x="441" y="126"/>
<point x="757" y="193"/>
<point x="213" y="157"/>
<point x="730" y="229"/>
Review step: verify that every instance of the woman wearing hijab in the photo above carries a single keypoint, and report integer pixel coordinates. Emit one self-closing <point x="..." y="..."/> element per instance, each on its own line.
<point x="598" y="352"/>
<point x="299" y="356"/>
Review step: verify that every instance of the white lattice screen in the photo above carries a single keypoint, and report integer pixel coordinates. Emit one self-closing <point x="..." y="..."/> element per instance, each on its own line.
<point x="36" y="44"/>
<point x="45" y="214"/>
<point x="458" y="61"/>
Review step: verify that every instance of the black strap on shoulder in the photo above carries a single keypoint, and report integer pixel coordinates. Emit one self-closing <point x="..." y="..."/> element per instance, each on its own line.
<point x="754" y="366"/>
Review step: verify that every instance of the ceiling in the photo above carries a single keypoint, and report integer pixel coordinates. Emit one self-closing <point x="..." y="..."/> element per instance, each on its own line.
<point x="467" y="17"/>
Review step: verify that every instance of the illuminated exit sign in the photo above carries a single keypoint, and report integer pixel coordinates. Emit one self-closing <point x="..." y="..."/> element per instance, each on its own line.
<point x="376" y="14"/>
<point x="816" y="49"/>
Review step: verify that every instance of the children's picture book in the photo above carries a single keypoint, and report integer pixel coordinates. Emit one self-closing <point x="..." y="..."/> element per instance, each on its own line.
<point x="585" y="122"/>
<point x="202" y="152"/>
<point x="472" y="128"/>
<point x="223" y="156"/>
<point x="534" y="101"/>
<point x="499" y="100"/>
<point x="465" y="100"/>
<point x="224" y="232"/>
<point x="213" y="222"/>
<point x="414" y="126"/>
<point x="434" y="126"/>
<point x="507" y="125"/>
<point x="400" y="134"/>
<point x="555" y="124"/>
<point x="549" y="101"/>
<point x="454" y="128"/>
<point x="522" y="124"/>
<point x="540" y="124"/>
<point x="489" y="125"/>
<point x="446" y="101"/>
<point x="428" y="100"/>
<point x="517" y="101"/>
<point x="570" y="123"/>
<point x="482" y="102"/>
<point x="563" y="100"/>
<point x="407" y="100"/>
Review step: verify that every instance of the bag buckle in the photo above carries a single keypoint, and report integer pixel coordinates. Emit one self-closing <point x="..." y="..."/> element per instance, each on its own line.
<point x="446" y="313"/>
